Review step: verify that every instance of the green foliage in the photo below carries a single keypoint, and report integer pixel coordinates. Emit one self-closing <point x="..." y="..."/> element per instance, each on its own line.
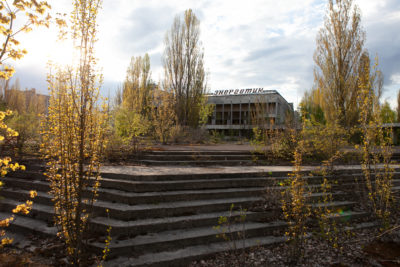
<point x="131" y="127"/>
<point x="310" y="110"/>
<point x="387" y="114"/>
<point x="205" y="110"/>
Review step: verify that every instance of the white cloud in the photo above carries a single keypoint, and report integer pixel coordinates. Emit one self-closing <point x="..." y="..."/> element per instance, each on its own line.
<point x="246" y="43"/>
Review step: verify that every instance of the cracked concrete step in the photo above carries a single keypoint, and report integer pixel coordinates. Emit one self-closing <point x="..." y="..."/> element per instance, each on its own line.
<point x="177" y="239"/>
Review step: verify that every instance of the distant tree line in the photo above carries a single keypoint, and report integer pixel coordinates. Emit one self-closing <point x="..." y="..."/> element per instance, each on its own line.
<point x="165" y="109"/>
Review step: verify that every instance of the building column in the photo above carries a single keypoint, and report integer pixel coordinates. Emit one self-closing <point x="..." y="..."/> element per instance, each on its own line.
<point x="248" y="114"/>
<point x="231" y="113"/>
<point x="214" y="119"/>
<point x="240" y="113"/>
<point x="223" y="111"/>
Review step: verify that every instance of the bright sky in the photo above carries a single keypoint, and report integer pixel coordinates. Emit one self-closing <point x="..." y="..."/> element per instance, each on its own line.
<point x="256" y="43"/>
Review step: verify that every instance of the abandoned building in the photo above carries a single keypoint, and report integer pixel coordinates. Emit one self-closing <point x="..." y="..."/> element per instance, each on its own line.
<point x="238" y="111"/>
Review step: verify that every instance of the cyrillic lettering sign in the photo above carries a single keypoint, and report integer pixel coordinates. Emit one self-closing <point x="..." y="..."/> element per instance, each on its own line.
<point x="247" y="91"/>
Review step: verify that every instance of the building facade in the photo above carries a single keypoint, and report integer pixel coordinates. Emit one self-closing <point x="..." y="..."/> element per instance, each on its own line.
<point x="238" y="111"/>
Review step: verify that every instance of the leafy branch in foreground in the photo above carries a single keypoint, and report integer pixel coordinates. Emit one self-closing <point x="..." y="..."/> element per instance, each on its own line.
<point x="34" y="13"/>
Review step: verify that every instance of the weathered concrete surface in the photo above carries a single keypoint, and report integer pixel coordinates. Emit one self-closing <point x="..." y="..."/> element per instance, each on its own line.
<point x="167" y="170"/>
<point x="211" y="147"/>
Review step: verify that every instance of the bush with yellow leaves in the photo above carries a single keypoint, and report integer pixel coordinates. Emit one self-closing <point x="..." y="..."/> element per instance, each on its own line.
<point x="376" y="151"/>
<point x="73" y="134"/>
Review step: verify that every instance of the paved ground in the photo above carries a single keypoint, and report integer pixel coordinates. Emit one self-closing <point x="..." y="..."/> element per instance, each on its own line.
<point x="160" y="170"/>
<point x="168" y="170"/>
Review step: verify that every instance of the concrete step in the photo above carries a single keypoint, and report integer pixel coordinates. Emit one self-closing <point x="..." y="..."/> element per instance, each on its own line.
<point x="27" y="225"/>
<point x="122" y="173"/>
<point x="197" y="162"/>
<point x="127" y="212"/>
<point x="121" y="211"/>
<point x="26" y="184"/>
<point x="154" y="225"/>
<point x="12" y="190"/>
<point x="39" y="211"/>
<point x="191" y="184"/>
<point x="192" y="152"/>
<point x="196" y="157"/>
<point x="177" y="239"/>
<point x="182" y="257"/>
<point x="132" y="198"/>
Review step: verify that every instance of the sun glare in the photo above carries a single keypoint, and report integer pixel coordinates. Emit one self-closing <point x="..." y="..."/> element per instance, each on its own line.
<point x="61" y="53"/>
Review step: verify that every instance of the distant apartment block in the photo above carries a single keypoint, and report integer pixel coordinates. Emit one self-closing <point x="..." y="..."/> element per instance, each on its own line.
<point x="238" y="111"/>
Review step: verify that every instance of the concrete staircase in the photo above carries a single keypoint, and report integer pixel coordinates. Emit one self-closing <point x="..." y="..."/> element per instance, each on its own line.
<point x="167" y="220"/>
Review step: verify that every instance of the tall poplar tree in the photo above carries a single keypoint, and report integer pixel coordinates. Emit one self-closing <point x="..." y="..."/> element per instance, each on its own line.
<point x="340" y="46"/>
<point x="136" y="94"/>
<point x="184" y="68"/>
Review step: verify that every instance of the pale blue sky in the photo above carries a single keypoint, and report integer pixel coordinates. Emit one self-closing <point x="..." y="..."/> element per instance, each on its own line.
<point x="254" y="43"/>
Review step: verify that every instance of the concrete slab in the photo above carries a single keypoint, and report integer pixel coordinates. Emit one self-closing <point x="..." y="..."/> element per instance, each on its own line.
<point x="167" y="170"/>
